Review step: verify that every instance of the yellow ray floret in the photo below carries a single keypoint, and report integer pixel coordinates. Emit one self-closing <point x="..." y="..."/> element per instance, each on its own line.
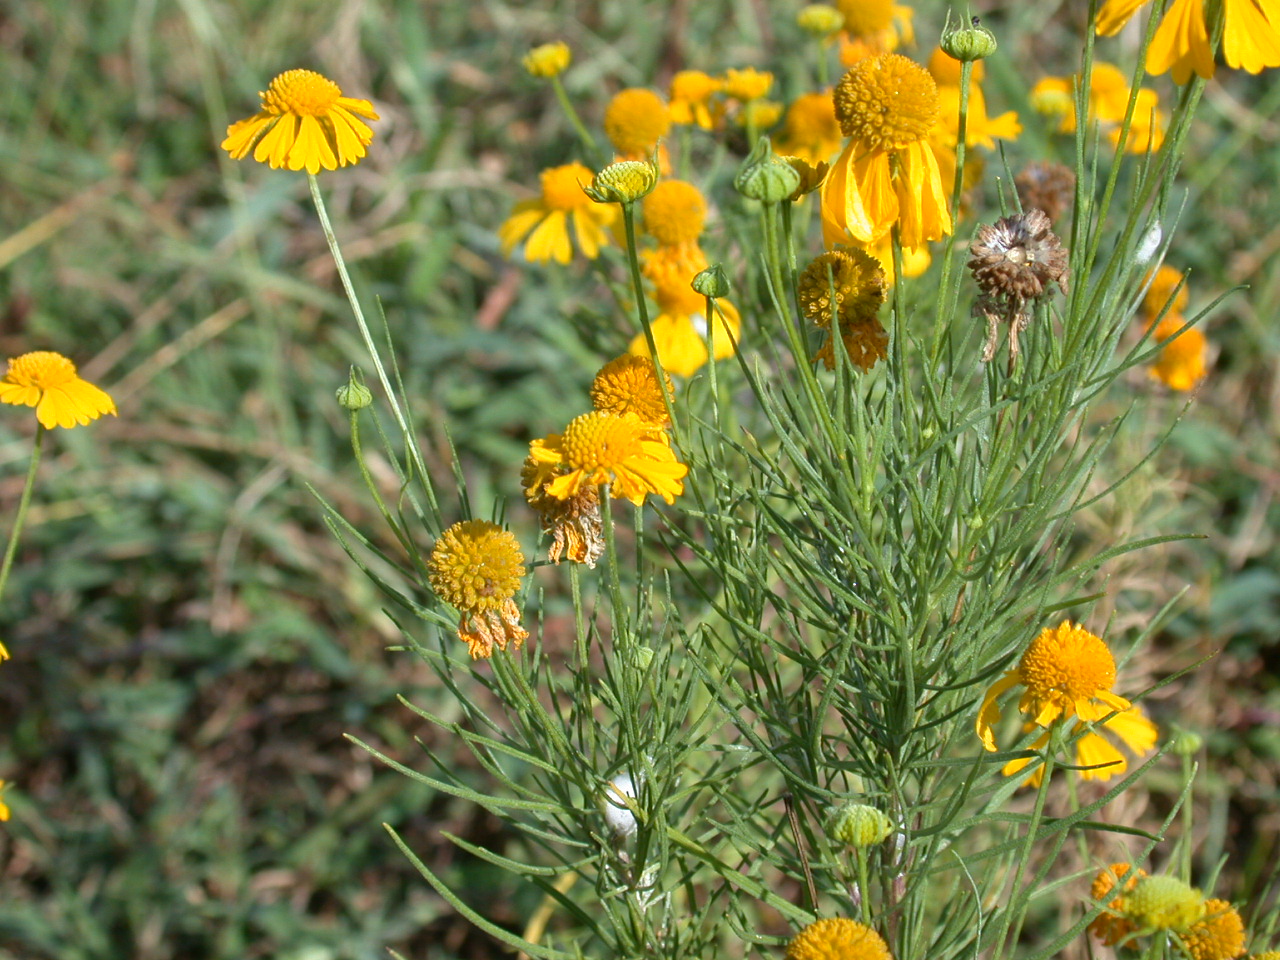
<point x="48" y="382"/>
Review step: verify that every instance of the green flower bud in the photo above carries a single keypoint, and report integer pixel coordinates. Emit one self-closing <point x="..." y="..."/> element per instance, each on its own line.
<point x="1186" y="743"/>
<point x="820" y="20"/>
<point x="858" y="824"/>
<point x="354" y="395"/>
<point x="1164" y="903"/>
<point x="766" y="177"/>
<point x="624" y="182"/>
<point x="966" y="44"/>
<point x="711" y="282"/>
<point x="643" y="656"/>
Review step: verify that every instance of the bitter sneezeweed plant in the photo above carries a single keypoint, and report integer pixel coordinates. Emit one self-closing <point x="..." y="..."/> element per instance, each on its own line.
<point x="775" y="716"/>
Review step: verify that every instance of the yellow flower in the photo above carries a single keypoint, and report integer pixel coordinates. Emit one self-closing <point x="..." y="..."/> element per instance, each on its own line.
<point x="1068" y="672"/>
<point x="1108" y="102"/>
<point x="305" y="123"/>
<point x="761" y="114"/>
<point x="811" y="176"/>
<point x="476" y="567"/>
<point x="548" y="60"/>
<point x="1163" y="903"/>
<point x="837" y="938"/>
<point x="810" y="130"/>
<point x="980" y="129"/>
<point x="1166" y="290"/>
<point x="1111" y="926"/>
<point x="629" y="384"/>
<point x="915" y="260"/>
<point x="1146" y="129"/>
<point x="634" y="121"/>
<point x="1218" y="935"/>
<point x="881" y="25"/>
<point x="632" y="456"/>
<point x="674" y="213"/>
<point x="691" y="92"/>
<point x="574" y="524"/>
<point x="1182" y="363"/>
<point x="887" y="173"/>
<point x="856" y="278"/>
<point x="545" y="221"/>
<point x="4" y="807"/>
<point x="945" y="69"/>
<point x="681" y="337"/>
<point x="48" y="382"/>
<point x="819" y="20"/>
<point x="747" y="84"/>
<point x="1250" y="38"/>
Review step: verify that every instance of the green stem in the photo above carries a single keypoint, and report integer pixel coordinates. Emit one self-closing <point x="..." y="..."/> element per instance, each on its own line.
<point x="642" y="308"/>
<point x="947" y="297"/>
<point x="383" y="379"/>
<point x="864" y="887"/>
<point x="824" y="65"/>
<point x="574" y="120"/>
<point x="23" y="503"/>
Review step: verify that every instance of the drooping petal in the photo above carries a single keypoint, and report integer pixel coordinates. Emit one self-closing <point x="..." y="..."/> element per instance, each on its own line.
<point x="1181" y="43"/>
<point x="989" y="714"/>
<point x="524" y="217"/>
<point x="1115" y="14"/>
<point x="1096" y="753"/>
<point x="922" y="200"/>
<point x="243" y="134"/>
<point x="550" y="239"/>
<point x="1132" y="726"/>
<point x="1250" y="39"/>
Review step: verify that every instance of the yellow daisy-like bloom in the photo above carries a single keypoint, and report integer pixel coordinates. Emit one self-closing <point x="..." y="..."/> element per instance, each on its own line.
<point x="1108" y="102"/>
<point x="1163" y="903"/>
<point x="810" y="130"/>
<point x="634" y="121"/>
<point x="674" y="213"/>
<point x="48" y="382"/>
<point x="887" y="106"/>
<point x="1183" y="362"/>
<point x="305" y="124"/>
<point x="545" y="220"/>
<point x="873" y="27"/>
<point x="837" y="938"/>
<point x="548" y="60"/>
<point x="1218" y="935"/>
<point x="476" y="567"/>
<point x="1068" y="672"/>
<point x="690" y="94"/>
<point x="629" y="384"/>
<point x="857" y="279"/>
<point x="1111" y="926"/>
<point x="1166" y="286"/>
<point x="980" y="129"/>
<point x="631" y="455"/>
<point x="574" y="524"/>
<point x="681" y="335"/>
<point x="747" y="84"/>
<point x="760" y="114"/>
<point x="1250" y="38"/>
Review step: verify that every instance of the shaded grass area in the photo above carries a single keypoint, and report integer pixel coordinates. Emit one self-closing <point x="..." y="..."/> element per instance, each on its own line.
<point x="190" y="643"/>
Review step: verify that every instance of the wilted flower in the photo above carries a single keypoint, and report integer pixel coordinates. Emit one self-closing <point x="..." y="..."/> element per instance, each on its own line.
<point x="476" y="567"/>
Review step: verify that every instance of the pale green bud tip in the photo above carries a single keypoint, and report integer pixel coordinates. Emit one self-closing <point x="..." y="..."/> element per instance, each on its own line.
<point x="623" y="182"/>
<point x="1187" y="743"/>
<point x="766" y="177"/>
<point x="858" y="824"/>
<point x="548" y="60"/>
<point x="1164" y="903"/>
<point x="711" y="282"/>
<point x="354" y="395"/>
<point x="820" y="20"/>
<point x="975" y="42"/>
<point x="643" y="657"/>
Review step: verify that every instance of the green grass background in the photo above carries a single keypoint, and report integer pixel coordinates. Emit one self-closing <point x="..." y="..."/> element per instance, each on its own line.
<point x="189" y="642"/>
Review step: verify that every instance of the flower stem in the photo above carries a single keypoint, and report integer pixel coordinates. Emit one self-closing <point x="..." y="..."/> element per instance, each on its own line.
<point x="574" y="120"/>
<point x="642" y="308"/>
<point x="23" y="503"/>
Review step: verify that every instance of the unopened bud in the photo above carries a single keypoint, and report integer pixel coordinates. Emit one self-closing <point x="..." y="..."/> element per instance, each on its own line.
<point x="354" y="395"/>
<point x="820" y="20"/>
<point x="970" y="43"/>
<point x="624" y="182"/>
<point x="858" y="824"/>
<point x="548" y="60"/>
<point x="766" y="177"/>
<point x="711" y="282"/>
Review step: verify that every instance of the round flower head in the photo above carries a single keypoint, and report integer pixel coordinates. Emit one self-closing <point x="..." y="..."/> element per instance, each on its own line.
<point x="574" y="524"/>
<point x="810" y="130"/>
<point x="858" y="824"/>
<point x="1111" y="926"/>
<point x="819" y="20"/>
<point x="634" y="121"/>
<point x="1068" y="672"/>
<point x="837" y="938"/>
<point x="691" y="92"/>
<point x="305" y="123"/>
<point x="545" y="220"/>
<point x="866" y="18"/>
<point x="623" y="181"/>
<point x="1050" y="187"/>
<point x="747" y="84"/>
<point x="548" y="60"/>
<point x="856" y="279"/>
<point x="1017" y="258"/>
<point x="48" y="382"/>
<point x="1218" y="935"/>
<point x="1167" y="292"/>
<point x="760" y="114"/>
<point x="632" y="456"/>
<point x="1163" y="903"/>
<point x="887" y="174"/>
<point x="476" y="567"/>
<point x="1182" y="363"/>
<point x="629" y="384"/>
<point x="674" y="213"/>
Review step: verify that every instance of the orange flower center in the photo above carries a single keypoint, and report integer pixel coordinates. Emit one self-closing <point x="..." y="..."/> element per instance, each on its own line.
<point x="866" y="18"/>
<point x="887" y="102"/>
<point x="601" y="441"/>
<point x="674" y="213"/>
<point x="693" y="86"/>
<point x="476" y="566"/>
<point x="43" y="369"/>
<point x="300" y="93"/>
<point x="562" y="186"/>
<point x="635" y="120"/>
<point x="1067" y="661"/>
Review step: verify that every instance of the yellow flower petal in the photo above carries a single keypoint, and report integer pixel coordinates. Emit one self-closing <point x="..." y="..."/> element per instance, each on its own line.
<point x="1250" y="40"/>
<point x="1115" y="14"/>
<point x="550" y="239"/>
<point x="989" y="714"/>
<point x="1095" y="752"/>
<point x="1181" y="43"/>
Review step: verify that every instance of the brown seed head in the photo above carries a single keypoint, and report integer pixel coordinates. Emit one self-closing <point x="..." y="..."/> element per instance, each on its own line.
<point x="1016" y="258"/>
<point x="1050" y="187"/>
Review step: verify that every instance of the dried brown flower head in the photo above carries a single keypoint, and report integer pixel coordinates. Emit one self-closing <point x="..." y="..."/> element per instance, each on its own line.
<point x="1016" y="258"/>
<point x="1050" y="187"/>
